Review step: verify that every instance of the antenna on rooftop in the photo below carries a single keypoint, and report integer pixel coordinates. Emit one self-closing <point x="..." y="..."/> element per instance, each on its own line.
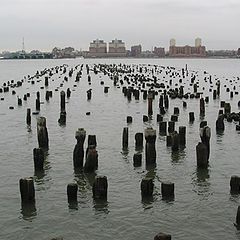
<point x="23" y="45"/>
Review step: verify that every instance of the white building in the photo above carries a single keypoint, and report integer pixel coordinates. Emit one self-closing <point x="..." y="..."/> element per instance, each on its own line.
<point x="198" y="42"/>
<point x="172" y="42"/>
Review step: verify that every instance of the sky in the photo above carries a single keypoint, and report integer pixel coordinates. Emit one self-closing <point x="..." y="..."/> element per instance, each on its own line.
<point x="46" y="24"/>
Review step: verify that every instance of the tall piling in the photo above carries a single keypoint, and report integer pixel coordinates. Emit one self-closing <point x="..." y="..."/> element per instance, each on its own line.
<point x="125" y="138"/>
<point x="78" y="153"/>
<point x="42" y="133"/>
<point x="150" y="137"/>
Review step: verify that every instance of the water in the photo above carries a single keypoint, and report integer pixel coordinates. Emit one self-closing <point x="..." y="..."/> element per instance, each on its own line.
<point x="203" y="207"/>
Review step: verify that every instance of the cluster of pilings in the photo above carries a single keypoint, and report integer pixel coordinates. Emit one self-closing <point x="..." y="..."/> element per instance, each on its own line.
<point x="150" y="84"/>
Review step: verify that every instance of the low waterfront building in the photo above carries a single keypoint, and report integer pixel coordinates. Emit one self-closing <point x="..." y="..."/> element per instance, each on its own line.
<point x="187" y="51"/>
<point x="97" y="48"/>
<point x="159" y="52"/>
<point x="117" y="48"/>
<point x="136" y="51"/>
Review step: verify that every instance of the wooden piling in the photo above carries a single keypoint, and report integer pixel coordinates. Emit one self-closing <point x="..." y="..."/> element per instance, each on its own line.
<point x="125" y="138"/>
<point x="28" y="118"/>
<point x="139" y="140"/>
<point x="163" y="128"/>
<point x="235" y="184"/>
<point x="78" y="153"/>
<point x="175" y="141"/>
<point x="27" y="190"/>
<point x="62" y="101"/>
<point x="38" y="157"/>
<point x="91" y="163"/>
<point x="147" y="187"/>
<point x="167" y="190"/>
<point x="202" y="107"/>
<point x="182" y="135"/>
<point x="220" y="123"/>
<point x="150" y="137"/>
<point x="72" y="189"/>
<point x="137" y="160"/>
<point x="202" y="155"/>
<point x="191" y="117"/>
<point x="100" y="188"/>
<point x="162" y="236"/>
<point x="42" y="133"/>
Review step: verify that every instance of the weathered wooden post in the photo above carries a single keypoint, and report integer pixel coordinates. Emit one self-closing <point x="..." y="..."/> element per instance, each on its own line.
<point x="91" y="163"/>
<point x="68" y="93"/>
<point x="27" y="190"/>
<point x="89" y="94"/>
<point x="235" y="184"/>
<point x="202" y="107"/>
<point x="220" y="123"/>
<point x="125" y="138"/>
<point x="137" y="159"/>
<point x="150" y="100"/>
<point x="171" y="126"/>
<point x="62" y="101"/>
<point x="163" y="128"/>
<point x="38" y="157"/>
<point x="237" y="224"/>
<point x="227" y="108"/>
<point x="150" y="136"/>
<point x="161" y="101"/>
<point x="46" y="81"/>
<point x="167" y="190"/>
<point x="202" y="155"/>
<point x="191" y="117"/>
<point x="162" y="236"/>
<point x="62" y="119"/>
<point x="100" y="188"/>
<point x="182" y="135"/>
<point x="175" y="141"/>
<point x="139" y="140"/>
<point x="166" y="101"/>
<point x="37" y="104"/>
<point x="176" y="111"/>
<point x="147" y="187"/>
<point x="169" y="141"/>
<point x="42" y="133"/>
<point x="72" y="189"/>
<point x="129" y="119"/>
<point x="78" y="153"/>
<point x="205" y="134"/>
<point x="28" y="118"/>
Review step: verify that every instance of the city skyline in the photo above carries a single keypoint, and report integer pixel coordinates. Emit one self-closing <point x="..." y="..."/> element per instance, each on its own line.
<point x="46" y="24"/>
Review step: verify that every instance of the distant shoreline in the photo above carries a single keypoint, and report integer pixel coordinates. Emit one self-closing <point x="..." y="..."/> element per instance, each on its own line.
<point x="217" y="57"/>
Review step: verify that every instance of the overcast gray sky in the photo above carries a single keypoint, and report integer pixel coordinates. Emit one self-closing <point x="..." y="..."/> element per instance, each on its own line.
<point x="48" y="23"/>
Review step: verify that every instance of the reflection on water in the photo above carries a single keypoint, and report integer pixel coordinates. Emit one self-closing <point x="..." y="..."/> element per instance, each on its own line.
<point x="28" y="211"/>
<point x="73" y="205"/>
<point x="100" y="206"/>
<point x="201" y="182"/>
<point x="178" y="156"/>
<point x="219" y="135"/>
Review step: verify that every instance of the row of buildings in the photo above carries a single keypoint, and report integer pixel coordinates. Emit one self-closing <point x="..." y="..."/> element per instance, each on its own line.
<point x="116" y="48"/>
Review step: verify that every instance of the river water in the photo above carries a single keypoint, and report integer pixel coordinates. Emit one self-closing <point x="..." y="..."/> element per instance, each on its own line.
<point x="203" y="207"/>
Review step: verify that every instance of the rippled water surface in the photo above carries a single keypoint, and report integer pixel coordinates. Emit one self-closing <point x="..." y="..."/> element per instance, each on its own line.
<point x="203" y="207"/>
